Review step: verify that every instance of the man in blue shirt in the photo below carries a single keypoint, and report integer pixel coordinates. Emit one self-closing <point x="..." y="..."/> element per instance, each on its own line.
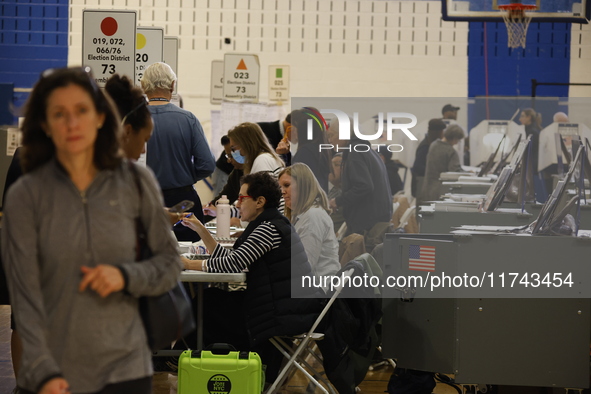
<point x="178" y="152"/>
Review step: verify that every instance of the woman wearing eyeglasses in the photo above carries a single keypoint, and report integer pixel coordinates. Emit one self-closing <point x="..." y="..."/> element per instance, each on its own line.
<point x="68" y="245"/>
<point x="274" y="259"/>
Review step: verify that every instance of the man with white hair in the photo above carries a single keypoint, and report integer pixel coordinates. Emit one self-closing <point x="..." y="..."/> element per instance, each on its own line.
<point x="178" y="152"/>
<point x="560" y="117"/>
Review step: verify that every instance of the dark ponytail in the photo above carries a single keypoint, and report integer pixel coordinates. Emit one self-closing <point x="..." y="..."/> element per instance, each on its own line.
<point x="128" y="99"/>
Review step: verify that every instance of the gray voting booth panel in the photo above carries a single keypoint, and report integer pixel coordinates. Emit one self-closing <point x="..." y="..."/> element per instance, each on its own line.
<point x="439" y="222"/>
<point x="534" y="209"/>
<point x="502" y="341"/>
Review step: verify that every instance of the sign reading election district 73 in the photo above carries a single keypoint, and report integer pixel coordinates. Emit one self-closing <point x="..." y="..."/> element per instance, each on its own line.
<point x="241" y="77"/>
<point x="149" y="49"/>
<point x="108" y="43"/>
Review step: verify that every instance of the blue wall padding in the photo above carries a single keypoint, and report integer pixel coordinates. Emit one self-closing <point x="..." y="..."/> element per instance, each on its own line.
<point x="33" y="38"/>
<point x="546" y="58"/>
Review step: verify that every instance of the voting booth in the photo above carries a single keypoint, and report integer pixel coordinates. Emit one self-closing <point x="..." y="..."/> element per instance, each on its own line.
<point x="550" y="147"/>
<point x="485" y="138"/>
<point x="501" y="338"/>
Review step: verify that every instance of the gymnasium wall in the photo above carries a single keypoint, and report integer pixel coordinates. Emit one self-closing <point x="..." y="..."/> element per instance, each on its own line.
<point x="335" y="47"/>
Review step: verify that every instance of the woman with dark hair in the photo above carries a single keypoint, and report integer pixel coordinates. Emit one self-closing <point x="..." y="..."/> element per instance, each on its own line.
<point x="136" y="118"/>
<point x="271" y="253"/>
<point x="532" y="122"/>
<point x="68" y="244"/>
<point x="533" y="125"/>
<point x="309" y="151"/>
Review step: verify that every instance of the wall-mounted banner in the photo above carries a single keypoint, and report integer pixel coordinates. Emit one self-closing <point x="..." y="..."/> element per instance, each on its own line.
<point x="108" y="43"/>
<point x="241" y="77"/>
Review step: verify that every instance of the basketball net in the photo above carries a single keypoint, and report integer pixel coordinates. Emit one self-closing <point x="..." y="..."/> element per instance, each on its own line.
<point x="517" y="23"/>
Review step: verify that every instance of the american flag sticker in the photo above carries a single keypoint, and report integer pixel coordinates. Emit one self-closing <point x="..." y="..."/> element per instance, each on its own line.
<point x="421" y="258"/>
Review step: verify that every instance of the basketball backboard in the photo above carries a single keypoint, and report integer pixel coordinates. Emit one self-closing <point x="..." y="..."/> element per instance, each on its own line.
<point x="572" y="11"/>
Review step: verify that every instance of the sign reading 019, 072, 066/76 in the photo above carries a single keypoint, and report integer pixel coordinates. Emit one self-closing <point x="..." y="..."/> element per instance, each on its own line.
<point x="108" y="43"/>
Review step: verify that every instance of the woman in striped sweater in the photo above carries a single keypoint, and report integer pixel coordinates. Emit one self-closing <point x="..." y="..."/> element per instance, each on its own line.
<point x="271" y="253"/>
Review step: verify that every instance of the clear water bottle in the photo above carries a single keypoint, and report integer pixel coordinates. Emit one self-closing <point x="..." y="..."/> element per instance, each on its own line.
<point x="223" y="217"/>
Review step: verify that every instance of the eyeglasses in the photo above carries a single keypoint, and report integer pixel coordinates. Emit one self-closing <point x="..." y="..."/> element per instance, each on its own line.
<point x="145" y="102"/>
<point x="71" y="74"/>
<point x="240" y="198"/>
<point x="50" y="71"/>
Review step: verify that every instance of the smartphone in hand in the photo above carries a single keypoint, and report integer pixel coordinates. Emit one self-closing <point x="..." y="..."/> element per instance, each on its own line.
<point x="182" y="206"/>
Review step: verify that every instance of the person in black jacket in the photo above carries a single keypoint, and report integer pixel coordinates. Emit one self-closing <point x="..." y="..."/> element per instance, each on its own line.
<point x="277" y="133"/>
<point x="434" y="132"/>
<point x="366" y="199"/>
<point x="392" y="170"/>
<point x="309" y="151"/>
<point x="223" y="167"/>
<point x="274" y="259"/>
<point x="16" y="348"/>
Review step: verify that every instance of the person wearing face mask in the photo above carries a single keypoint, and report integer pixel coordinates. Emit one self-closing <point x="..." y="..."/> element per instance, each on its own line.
<point x="251" y="147"/>
<point x="251" y="153"/>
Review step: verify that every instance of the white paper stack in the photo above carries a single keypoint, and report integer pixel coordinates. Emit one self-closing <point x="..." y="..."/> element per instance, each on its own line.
<point x="456" y="206"/>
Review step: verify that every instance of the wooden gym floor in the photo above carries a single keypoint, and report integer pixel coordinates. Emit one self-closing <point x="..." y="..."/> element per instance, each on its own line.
<point x="375" y="382"/>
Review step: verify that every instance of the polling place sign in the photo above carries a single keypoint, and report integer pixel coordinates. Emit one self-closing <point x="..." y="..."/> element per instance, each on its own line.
<point x="108" y="43"/>
<point x="148" y="49"/>
<point x="241" y="77"/>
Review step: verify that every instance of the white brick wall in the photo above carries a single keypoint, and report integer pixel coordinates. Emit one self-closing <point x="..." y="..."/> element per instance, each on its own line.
<point x="580" y="60"/>
<point x="334" y="47"/>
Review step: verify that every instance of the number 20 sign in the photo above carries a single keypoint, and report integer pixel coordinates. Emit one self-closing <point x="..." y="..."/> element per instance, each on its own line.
<point x="108" y="43"/>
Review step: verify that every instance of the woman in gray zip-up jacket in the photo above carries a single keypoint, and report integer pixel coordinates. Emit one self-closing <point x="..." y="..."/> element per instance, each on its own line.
<point x="68" y="245"/>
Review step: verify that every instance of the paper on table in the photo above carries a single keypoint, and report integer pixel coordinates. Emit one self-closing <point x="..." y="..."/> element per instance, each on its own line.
<point x="184" y="246"/>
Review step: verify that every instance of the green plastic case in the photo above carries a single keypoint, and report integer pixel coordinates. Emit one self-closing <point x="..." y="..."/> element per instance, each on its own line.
<point x="230" y="372"/>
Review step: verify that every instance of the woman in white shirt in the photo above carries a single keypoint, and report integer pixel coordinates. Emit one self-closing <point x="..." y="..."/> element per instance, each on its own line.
<point x="306" y="205"/>
<point x="250" y="146"/>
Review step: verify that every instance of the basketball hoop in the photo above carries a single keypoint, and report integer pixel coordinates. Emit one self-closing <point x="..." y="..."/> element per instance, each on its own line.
<point x="517" y="22"/>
